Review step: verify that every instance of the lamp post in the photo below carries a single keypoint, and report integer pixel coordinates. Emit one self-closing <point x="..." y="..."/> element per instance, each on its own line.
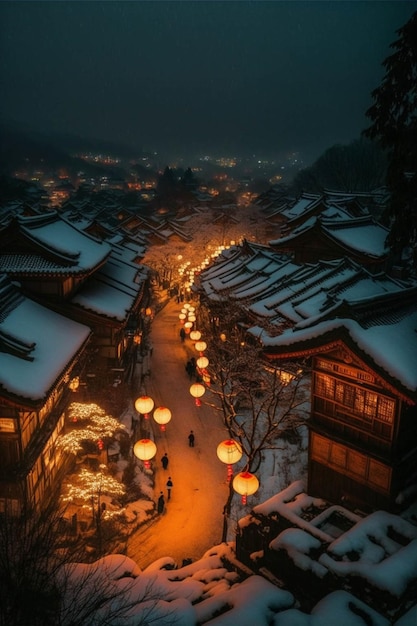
<point x="144" y="405"/>
<point x="245" y="484"/>
<point x="145" y="450"/>
<point x="229" y="452"/>
<point x="162" y="416"/>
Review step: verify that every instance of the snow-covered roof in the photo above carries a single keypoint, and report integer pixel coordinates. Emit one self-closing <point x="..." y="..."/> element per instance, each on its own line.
<point x="44" y="345"/>
<point x="113" y="290"/>
<point x="60" y="247"/>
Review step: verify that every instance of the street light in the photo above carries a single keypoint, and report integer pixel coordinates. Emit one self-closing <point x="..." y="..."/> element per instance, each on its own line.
<point x="245" y="484"/>
<point x="197" y="390"/>
<point x="162" y="416"/>
<point x="144" y="405"/>
<point x="229" y="452"/>
<point x="145" y="450"/>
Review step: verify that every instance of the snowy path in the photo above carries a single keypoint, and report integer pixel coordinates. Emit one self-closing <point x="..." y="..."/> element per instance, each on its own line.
<point x="193" y="518"/>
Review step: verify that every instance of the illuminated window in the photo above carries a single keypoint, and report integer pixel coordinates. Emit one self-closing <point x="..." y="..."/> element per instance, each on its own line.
<point x="386" y="409"/>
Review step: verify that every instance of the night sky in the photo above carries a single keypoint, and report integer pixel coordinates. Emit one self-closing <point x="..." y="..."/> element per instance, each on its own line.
<point x="195" y="77"/>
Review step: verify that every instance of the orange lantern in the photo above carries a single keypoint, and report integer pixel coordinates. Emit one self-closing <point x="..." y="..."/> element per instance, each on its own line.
<point x="197" y="390"/>
<point x="145" y="450"/>
<point x="144" y="405"/>
<point x="202" y="362"/>
<point x="200" y="346"/>
<point x="162" y="416"/>
<point x="229" y="452"/>
<point x="245" y="484"/>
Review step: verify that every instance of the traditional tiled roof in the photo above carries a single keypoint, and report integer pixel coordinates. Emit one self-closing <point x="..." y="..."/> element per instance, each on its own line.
<point x="55" y="246"/>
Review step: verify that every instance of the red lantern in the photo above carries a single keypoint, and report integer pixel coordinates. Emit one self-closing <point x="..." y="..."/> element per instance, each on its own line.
<point x="100" y="444"/>
<point x="229" y="452"/>
<point x="145" y="450"/>
<point x="162" y="416"/>
<point x="245" y="484"/>
<point x="144" y="405"/>
<point x="197" y="390"/>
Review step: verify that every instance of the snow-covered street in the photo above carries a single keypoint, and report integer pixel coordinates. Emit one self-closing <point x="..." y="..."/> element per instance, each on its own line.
<point x="193" y="517"/>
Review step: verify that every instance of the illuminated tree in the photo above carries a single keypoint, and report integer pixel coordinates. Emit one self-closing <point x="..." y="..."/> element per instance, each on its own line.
<point x="90" y="424"/>
<point x="87" y="489"/>
<point x="261" y="405"/>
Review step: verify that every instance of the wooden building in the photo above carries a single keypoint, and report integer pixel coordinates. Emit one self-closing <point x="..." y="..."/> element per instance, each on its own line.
<point x="42" y="356"/>
<point x="363" y="423"/>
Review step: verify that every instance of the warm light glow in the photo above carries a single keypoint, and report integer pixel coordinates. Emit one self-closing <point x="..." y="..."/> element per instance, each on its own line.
<point x="188" y="325"/>
<point x="144" y="405"/>
<point x="195" y="335"/>
<point x="162" y="415"/>
<point x="74" y="383"/>
<point x="229" y="451"/>
<point x="197" y="390"/>
<point x="245" y="484"/>
<point x="202" y="362"/>
<point x="144" y="450"/>
<point x="200" y="346"/>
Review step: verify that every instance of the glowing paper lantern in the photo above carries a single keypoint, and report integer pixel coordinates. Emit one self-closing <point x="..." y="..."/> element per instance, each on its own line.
<point x="245" y="484"/>
<point x="144" y="405"/>
<point x="197" y="390"/>
<point x="195" y="335"/>
<point x="202" y="362"/>
<point x="162" y="416"/>
<point x="229" y="452"/>
<point x="200" y="346"/>
<point x="145" y="450"/>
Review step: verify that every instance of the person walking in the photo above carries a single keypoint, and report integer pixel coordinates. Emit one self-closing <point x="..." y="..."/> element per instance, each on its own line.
<point x="165" y="461"/>
<point x="182" y="334"/>
<point x="191" y="439"/>
<point x="169" y="487"/>
<point x="161" y="503"/>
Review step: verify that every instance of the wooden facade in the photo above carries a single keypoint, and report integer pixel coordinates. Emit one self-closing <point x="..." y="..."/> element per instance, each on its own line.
<point x="362" y="445"/>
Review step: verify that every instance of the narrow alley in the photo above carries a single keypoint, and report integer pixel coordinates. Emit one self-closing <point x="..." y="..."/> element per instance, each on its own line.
<point x="193" y="518"/>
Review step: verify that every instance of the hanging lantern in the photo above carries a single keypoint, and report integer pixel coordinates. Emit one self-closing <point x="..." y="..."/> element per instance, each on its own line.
<point x="188" y="326"/>
<point x="202" y="362"/>
<point x="229" y="452"/>
<point x="245" y="484"/>
<point x="148" y="311"/>
<point x="144" y="405"/>
<point x="197" y="390"/>
<point x="195" y="335"/>
<point x="145" y="450"/>
<point x="187" y="306"/>
<point x="191" y="309"/>
<point x="162" y="416"/>
<point x="182" y="317"/>
<point x="200" y="346"/>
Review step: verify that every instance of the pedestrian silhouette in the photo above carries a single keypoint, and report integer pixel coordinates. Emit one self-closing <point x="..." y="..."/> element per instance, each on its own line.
<point x="161" y="503"/>
<point x="182" y="334"/>
<point x="169" y="487"/>
<point x="191" y="439"/>
<point x="164" y="461"/>
<point x="189" y="369"/>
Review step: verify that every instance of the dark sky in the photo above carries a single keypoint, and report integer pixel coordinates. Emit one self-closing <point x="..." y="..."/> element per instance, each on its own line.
<point x="196" y="77"/>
